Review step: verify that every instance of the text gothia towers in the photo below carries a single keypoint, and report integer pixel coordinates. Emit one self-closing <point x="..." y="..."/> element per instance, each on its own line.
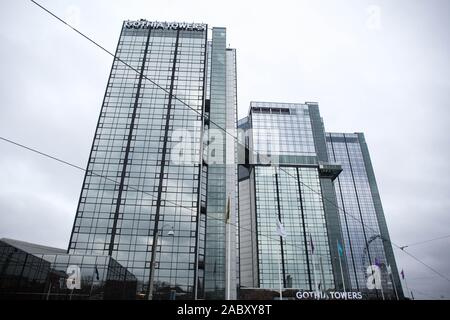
<point x="144" y="24"/>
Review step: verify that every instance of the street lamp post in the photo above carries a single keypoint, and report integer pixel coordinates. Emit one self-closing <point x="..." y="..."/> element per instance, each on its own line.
<point x="152" y="266"/>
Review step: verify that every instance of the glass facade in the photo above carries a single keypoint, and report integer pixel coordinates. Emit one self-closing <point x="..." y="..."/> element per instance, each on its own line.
<point x="366" y="240"/>
<point x="216" y="163"/>
<point x="43" y="274"/>
<point x="231" y="177"/>
<point x="147" y="190"/>
<point x="279" y="195"/>
<point x="287" y="189"/>
<point x="282" y="132"/>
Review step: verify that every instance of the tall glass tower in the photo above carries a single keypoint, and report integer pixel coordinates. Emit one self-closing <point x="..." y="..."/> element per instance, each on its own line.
<point x="286" y="178"/>
<point x="366" y="237"/>
<point x="150" y="199"/>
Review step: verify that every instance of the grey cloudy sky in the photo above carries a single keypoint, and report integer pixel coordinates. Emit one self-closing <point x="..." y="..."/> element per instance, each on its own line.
<point x="380" y="67"/>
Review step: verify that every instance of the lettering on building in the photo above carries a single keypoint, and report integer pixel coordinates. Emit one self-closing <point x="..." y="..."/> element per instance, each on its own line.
<point x="144" y="24"/>
<point x="331" y="295"/>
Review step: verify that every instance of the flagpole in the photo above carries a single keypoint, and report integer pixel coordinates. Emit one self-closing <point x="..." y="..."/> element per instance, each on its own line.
<point x="378" y="264"/>
<point x="314" y="265"/>
<point x="381" y="278"/>
<point x="49" y="289"/>
<point x="281" y="233"/>
<point x="340" y="266"/>
<point x="322" y="273"/>
<point x="389" y="271"/>
<point x="279" y="273"/>
<point x="229" y="259"/>
<point x="342" y="274"/>
<point x="71" y="293"/>
<point x="381" y="286"/>
<point x="393" y="284"/>
<point x="92" y="285"/>
<point x="314" y="273"/>
<point x="228" y="225"/>
<point x="407" y="288"/>
<point x="406" y="283"/>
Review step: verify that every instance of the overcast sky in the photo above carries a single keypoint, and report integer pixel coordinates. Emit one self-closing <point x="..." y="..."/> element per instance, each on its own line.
<point x="380" y="67"/>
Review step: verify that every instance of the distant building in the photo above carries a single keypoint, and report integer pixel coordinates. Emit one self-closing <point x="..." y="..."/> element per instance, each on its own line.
<point x="366" y="237"/>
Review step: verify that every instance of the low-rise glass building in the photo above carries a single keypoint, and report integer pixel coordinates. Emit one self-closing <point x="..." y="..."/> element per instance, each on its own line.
<point x="33" y="272"/>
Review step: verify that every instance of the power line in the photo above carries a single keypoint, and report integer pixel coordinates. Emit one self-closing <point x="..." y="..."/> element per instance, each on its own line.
<point x="423" y="263"/>
<point x="129" y="187"/>
<point x="423" y="242"/>
<point x="131" y="67"/>
<point x="422" y="293"/>
<point x="413" y="290"/>
<point x="196" y="111"/>
<point x="433" y="276"/>
<point x="169" y="201"/>
<point x="255" y="153"/>
<point x="218" y="126"/>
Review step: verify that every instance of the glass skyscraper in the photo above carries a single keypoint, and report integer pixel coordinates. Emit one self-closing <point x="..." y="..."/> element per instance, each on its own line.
<point x="366" y="237"/>
<point x="321" y="187"/>
<point x="152" y="199"/>
<point x="285" y="178"/>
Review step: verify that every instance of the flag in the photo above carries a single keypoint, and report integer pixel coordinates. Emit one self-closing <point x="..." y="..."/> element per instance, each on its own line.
<point x="377" y="262"/>
<point x="280" y="229"/>
<point x="340" y="250"/>
<point x="389" y="270"/>
<point x="96" y="273"/>
<point x="311" y="243"/>
<point x="403" y="274"/>
<point x="228" y="210"/>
